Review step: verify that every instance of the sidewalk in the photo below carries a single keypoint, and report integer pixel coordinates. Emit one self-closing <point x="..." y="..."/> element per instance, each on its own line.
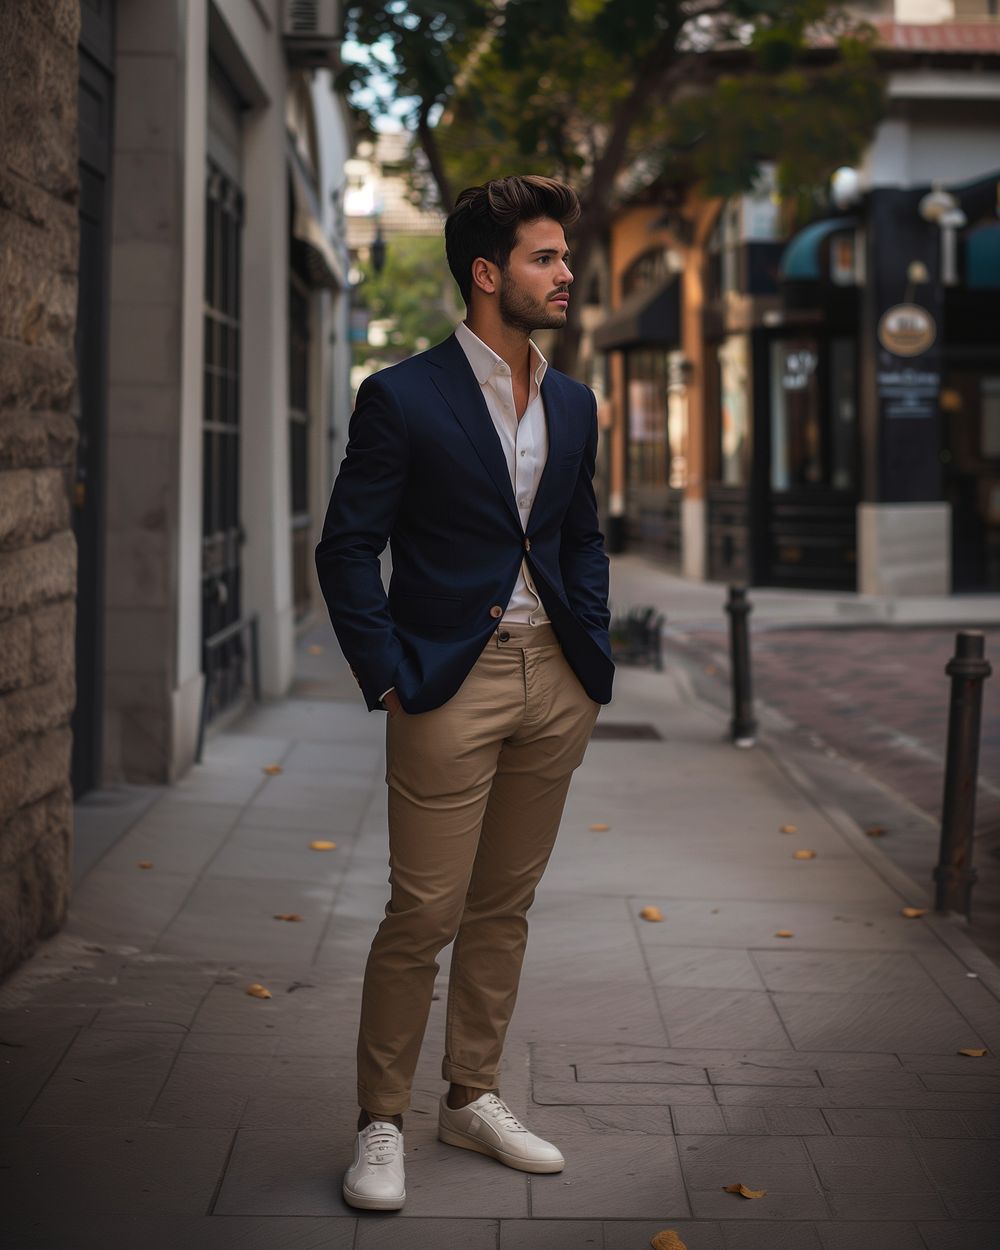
<point x="148" y="1101"/>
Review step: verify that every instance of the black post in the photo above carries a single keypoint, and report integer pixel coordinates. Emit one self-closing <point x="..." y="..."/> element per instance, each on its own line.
<point x="955" y="874"/>
<point x="743" y="727"/>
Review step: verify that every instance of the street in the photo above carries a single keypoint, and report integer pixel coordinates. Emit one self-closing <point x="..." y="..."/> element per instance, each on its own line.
<point x="783" y="1026"/>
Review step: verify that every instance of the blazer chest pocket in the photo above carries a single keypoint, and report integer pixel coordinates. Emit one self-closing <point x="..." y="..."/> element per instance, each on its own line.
<point x="430" y="611"/>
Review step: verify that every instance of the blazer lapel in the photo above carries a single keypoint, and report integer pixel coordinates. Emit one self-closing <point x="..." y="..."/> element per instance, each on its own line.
<point x="454" y="378"/>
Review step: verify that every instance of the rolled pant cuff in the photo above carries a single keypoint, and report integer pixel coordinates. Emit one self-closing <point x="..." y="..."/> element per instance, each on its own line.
<point x="466" y="1076"/>
<point x="383" y="1104"/>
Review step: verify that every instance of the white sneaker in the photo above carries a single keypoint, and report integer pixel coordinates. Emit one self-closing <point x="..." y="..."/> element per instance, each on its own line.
<point x="490" y="1127"/>
<point x="375" y="1180"/>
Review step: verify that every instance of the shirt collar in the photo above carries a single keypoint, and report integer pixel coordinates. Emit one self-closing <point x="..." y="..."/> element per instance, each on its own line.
<point x="486" y="364"/>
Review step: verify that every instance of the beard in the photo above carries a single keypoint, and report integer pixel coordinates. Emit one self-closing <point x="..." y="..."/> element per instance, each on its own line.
<point x="524" y="312"/>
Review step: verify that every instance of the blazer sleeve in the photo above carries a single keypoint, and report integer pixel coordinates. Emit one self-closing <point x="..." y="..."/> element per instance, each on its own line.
<point x="582" y="558"/>
<point x="359" y="520"/>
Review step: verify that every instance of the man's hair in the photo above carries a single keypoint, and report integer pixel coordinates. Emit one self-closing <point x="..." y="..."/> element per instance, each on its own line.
<point x="485" y="220"/>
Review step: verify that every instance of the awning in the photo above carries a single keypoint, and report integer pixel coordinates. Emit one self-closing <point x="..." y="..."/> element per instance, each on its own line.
<point x="649" y="318"/>
<point x="982" y="258"/>
<point x="800" y="261"/>
<point x="325" y="268"/>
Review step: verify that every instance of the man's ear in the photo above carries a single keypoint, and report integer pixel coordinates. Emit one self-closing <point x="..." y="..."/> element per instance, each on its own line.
<point x="485" y="275"/>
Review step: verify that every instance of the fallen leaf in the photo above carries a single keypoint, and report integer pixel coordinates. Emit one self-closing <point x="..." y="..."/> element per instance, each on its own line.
<point x="711" y="670"/>
<point x="789" y="829"/>
<point x="667" y="1240"/>
<point x="145" y="863"/>
<point x="804" y="855"/>
<point x="272" y="770"/>
<point x="974" y="1052"/>
<point x="784" y="933"/>
<point x="287" y="915"/>
<point x="599" y="828"/>
<point x="314" y="650"/>
<point x="914" y="913"/>
<point x="744" y="1192"/>
<point x="651" y="913"/>
<point x="875" y="831"/>
<point x="258" y="991"/>
<point x="321" y="845"/>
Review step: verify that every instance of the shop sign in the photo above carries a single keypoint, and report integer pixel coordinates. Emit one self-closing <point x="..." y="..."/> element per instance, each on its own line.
<point x="799" y="366"/>
<point x="906" y="330"/>
<point x="909" y="392"/>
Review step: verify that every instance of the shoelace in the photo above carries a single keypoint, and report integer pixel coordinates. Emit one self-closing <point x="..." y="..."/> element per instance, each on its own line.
<point x="381" y="1146"/>
<point x="498" y="1110"/>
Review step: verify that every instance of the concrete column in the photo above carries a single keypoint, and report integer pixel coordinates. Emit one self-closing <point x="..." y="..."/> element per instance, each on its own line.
<point x="265" y="505"/>
<point x="152" y="676"/>
<point x="904" y="548"/>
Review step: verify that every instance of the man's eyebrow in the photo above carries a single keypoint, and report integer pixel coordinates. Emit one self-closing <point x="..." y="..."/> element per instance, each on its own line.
<point x="551" y="251"/>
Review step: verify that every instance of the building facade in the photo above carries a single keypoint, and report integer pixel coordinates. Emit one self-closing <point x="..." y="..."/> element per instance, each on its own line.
<point x="818" y="409"/>
<point x="175" y="197"/>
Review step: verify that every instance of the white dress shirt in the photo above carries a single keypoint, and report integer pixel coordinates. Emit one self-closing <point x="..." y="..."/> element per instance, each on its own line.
<point x="525" y="446"/>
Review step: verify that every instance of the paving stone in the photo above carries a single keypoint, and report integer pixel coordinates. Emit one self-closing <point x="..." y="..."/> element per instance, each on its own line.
<point x="965" y="1236"/>
<point x="858" y="1122"/>
<point x="873" y="1236"/>
<point x="749" y="1075"/>
<point x="545" y="1235"/>
<point x="874" y="972"/>
<point x="918" y="1205"/>
<point x="645" y="1181"/>
<point x="382" y="1232"/>
<point x="872" y="1021"/>
<point x="776" y="1178"/>
<point x="698" y="1120"/>
<point x="745" y="1120"/>
<point x="594" y="1094"/>
<point x="959" y="1064"/>
<point x="697" y="1017"/>
<point x="286" y="1172"/>
<point x="637" y="1234"/>
<point x="659" y="1073"/>
<point x="209" y="1091"/>
<point x="960" y="1165"/>
<point x="168" y="1232"/>
<point x="886" y="1079"/>
<point x="737" y="1150"/>
<point x="865" y="1095"/>
<point x="771" y="1237"/>
<point x="105" y="1079"/>
<point x="110" y="1170"/>
<point x="964" y="1081"/>
<point x="702" y="968"/>
<point x="716" y="1204"/>
<point x="973" y="1204"/>
<point x="26" y="1065"/>
<point x="266" y="1110"/>
<point x="864" y="1164"/>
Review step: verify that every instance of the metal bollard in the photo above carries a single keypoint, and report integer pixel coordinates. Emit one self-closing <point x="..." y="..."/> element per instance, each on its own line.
<point x="955" y="874"/>
<point x="743" y="727"/>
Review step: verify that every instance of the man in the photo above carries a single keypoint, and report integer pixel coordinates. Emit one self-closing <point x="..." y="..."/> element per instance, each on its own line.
<point x="490" y="654"/>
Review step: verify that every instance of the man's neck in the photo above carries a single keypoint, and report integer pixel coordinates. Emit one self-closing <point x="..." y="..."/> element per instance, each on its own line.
<point x="511" y="345"/>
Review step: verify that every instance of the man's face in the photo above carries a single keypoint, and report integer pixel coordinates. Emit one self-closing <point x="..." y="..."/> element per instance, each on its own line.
<point x="534" y="287"/>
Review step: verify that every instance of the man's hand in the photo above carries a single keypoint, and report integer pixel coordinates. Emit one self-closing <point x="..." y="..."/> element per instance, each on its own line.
<point x="392" y="703"/>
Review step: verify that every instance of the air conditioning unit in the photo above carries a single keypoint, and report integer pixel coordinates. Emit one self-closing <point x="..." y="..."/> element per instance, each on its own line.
<point x="311" y="33"/>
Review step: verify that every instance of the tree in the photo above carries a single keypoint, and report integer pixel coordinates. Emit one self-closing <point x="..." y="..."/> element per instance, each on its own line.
<point x="616" y="96"/>
<point x="412" y="297"/>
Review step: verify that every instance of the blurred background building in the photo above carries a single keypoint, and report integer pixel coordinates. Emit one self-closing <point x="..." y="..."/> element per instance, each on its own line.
<point x="821" y="408"/>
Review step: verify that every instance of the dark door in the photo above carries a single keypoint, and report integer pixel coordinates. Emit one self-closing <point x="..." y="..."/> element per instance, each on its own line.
<point x="971" y="399"/>
<point x="96" y="94"/>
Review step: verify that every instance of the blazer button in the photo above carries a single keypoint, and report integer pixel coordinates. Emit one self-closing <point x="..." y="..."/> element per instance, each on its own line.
<point x="496" y="611"/>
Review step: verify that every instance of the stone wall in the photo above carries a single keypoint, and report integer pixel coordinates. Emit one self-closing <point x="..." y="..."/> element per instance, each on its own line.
<point x="38" y="272"/>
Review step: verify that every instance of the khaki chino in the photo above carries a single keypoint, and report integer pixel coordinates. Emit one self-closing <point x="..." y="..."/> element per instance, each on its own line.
<point x="476" y="793"/>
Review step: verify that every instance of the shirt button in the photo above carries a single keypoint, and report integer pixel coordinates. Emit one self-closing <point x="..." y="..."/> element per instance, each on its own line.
<point x="496" y="611"/>
<point x="524" y="453"/>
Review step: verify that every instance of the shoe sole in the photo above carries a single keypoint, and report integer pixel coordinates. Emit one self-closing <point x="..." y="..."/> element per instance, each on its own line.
<point x="453" y="1137"/>
<point x="372" y="1204"/>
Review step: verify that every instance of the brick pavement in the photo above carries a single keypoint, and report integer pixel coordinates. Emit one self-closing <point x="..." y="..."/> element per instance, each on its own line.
<point x="147" y="1100"/>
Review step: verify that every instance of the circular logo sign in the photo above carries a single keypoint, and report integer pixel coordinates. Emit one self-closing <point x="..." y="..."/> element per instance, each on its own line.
<point x="906" y="330"/>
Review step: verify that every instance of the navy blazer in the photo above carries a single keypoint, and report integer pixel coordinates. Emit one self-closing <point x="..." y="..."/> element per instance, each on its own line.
<point x="425" y="470"/>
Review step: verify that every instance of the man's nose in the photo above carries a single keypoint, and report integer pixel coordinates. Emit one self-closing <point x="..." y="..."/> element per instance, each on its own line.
<point x="566" y="277"/>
